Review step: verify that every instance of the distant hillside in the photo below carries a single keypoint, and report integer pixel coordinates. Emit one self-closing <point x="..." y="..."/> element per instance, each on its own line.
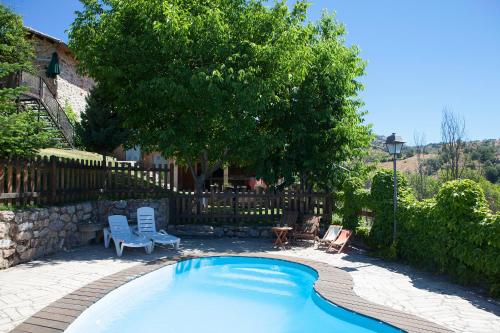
<point x="479" y="152"/>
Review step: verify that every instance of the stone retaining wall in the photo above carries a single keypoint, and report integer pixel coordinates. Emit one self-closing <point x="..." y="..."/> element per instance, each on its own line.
<point x="32" y="233"/>
<point x="27" y="234"/>
<point x="129" y="209"/>
<point x="220" y="231"/>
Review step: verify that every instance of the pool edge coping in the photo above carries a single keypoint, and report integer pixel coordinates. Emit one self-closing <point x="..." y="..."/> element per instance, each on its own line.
<point x="333" y="284"/>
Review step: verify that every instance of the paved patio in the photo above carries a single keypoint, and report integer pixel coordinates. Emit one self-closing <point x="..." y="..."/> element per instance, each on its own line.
<point x="27" y="288"/>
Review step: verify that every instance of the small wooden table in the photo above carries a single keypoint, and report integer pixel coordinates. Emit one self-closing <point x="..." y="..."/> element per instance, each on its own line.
<point x="281" y="233"/>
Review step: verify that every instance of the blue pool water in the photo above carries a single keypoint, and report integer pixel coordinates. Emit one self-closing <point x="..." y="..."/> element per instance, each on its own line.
<point x="222" y="295"/>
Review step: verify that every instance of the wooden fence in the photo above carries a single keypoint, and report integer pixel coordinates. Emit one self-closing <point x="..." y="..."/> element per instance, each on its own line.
<point x="245" y="207"/>
<point x="44" y="181"/>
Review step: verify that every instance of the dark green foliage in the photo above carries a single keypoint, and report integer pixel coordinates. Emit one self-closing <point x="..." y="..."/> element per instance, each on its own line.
<point x="101" y="129"/>
<point x="492" y="193"/>
<point x="381" y="194"/>
<point x="492" y="173"/>
<point x="455" y="233"/>
<point x="218" y="82"/>
<point x="484" y="153"/>
<point x="21" y="134"/>
<point x="355" y="199"/>
<point x="321" y="127"/>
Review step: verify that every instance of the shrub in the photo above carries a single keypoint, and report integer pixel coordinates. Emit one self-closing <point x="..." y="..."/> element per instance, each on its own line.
<point x="381" y="197"/>
<point x="492" y="193"/>
<point x="455" y="233"/>
<point x="355" y="199"/>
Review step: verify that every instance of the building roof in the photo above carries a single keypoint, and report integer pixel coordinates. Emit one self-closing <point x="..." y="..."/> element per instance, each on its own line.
<point x="61" y="44"/>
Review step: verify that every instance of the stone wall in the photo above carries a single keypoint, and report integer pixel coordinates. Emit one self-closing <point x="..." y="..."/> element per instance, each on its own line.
<point x="32" y="233"/>
<point x="129" y="209"/>
<point x="71" y="87"/>
<point x="220" y="231"/>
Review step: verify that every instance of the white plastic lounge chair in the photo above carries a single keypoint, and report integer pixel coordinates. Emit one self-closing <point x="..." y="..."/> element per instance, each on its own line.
<point x="330" y="235"/>
<point x="123" y="237"/>
<point x="147" y="227"/>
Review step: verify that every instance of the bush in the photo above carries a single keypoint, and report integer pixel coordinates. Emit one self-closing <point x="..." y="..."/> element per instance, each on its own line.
<point x="492" y="193"/>
<point x="425" y="187"/>
<point x="454" y="234"/>
<point x="381" y="197"/>
<point x="355" y="199"/>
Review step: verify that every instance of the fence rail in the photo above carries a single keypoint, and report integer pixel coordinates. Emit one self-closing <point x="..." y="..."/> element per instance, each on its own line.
<point x="44" y="181"/>
<point x="230" y="207"/>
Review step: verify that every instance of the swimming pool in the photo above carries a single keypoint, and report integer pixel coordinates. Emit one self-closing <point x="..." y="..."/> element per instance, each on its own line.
<point x="222" y="295"/>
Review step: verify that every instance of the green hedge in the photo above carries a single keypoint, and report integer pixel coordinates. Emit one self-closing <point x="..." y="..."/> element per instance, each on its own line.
<point x="355" y="198"/>
<point x="454" y="233"/>
<point x="381" y="197"/>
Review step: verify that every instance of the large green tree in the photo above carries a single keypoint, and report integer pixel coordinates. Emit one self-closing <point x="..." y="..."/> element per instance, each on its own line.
<point x="320" y="134"/>
<point x="194" y="78"/>
<point x="228" y="81"/>
<point x="21" y="134"/>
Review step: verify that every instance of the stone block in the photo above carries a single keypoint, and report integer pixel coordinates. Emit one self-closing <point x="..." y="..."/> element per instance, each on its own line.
<point x="56" y="225"/>
<point x="53" y="216"/>
<point x="25" y="226"/>
<point x="8" y="252"/>
<point x="24" y="235"/>
<point x="7" y="216"/>
<point x="6" y="243"/>
<point x="66" y="218"/>
<point x="4" y="229"/>
<point x="70" y="209"/>
<point x="87" y="207"/>
<point x="43" y="213"/>
<point x="27" y="255"/>
<point x="21" y="248"/>
<point x="33" y="216"/>
<point x="54" y="209"/>
<point x="43" y="233"/>
<point x="34" y="243"/>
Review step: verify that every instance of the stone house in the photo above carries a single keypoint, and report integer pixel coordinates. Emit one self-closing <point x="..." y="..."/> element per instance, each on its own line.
<point x="70" y="87"/>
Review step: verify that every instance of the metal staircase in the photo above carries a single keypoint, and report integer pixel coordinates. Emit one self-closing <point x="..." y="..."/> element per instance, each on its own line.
<point x="40" y="99"/>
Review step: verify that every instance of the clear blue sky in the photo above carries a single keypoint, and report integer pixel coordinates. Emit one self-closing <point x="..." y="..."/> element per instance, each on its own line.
<point x="423" y="55"/>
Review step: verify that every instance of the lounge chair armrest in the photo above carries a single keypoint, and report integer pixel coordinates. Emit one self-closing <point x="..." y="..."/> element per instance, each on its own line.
<point x="163" y="232"/>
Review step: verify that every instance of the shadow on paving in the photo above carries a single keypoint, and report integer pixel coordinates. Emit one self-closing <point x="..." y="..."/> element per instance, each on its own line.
<point x="439" y="284"/>
<point x="95" y="253"/>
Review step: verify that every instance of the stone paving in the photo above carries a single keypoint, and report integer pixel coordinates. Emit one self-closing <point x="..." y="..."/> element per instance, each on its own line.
<point x="27" y="288"/>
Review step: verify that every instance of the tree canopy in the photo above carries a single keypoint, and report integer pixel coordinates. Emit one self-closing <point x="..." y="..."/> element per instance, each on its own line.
<point x="320" y="134"/>
<point x="21" y="134"/>
<point x="227" y="81"/>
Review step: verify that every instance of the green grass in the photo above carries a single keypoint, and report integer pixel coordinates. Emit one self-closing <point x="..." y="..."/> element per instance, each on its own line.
<point x="74" y="154"/>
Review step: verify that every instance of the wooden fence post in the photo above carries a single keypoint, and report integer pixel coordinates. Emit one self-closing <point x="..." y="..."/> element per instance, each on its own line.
<point x="328" y="208"/>
<point x="53" y="179"/>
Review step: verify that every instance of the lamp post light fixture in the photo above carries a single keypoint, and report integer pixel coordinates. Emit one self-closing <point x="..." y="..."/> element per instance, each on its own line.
<point x="394" y="143"/>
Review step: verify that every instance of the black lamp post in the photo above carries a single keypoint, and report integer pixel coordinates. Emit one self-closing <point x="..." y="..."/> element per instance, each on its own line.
<point x="393" y="144"/>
